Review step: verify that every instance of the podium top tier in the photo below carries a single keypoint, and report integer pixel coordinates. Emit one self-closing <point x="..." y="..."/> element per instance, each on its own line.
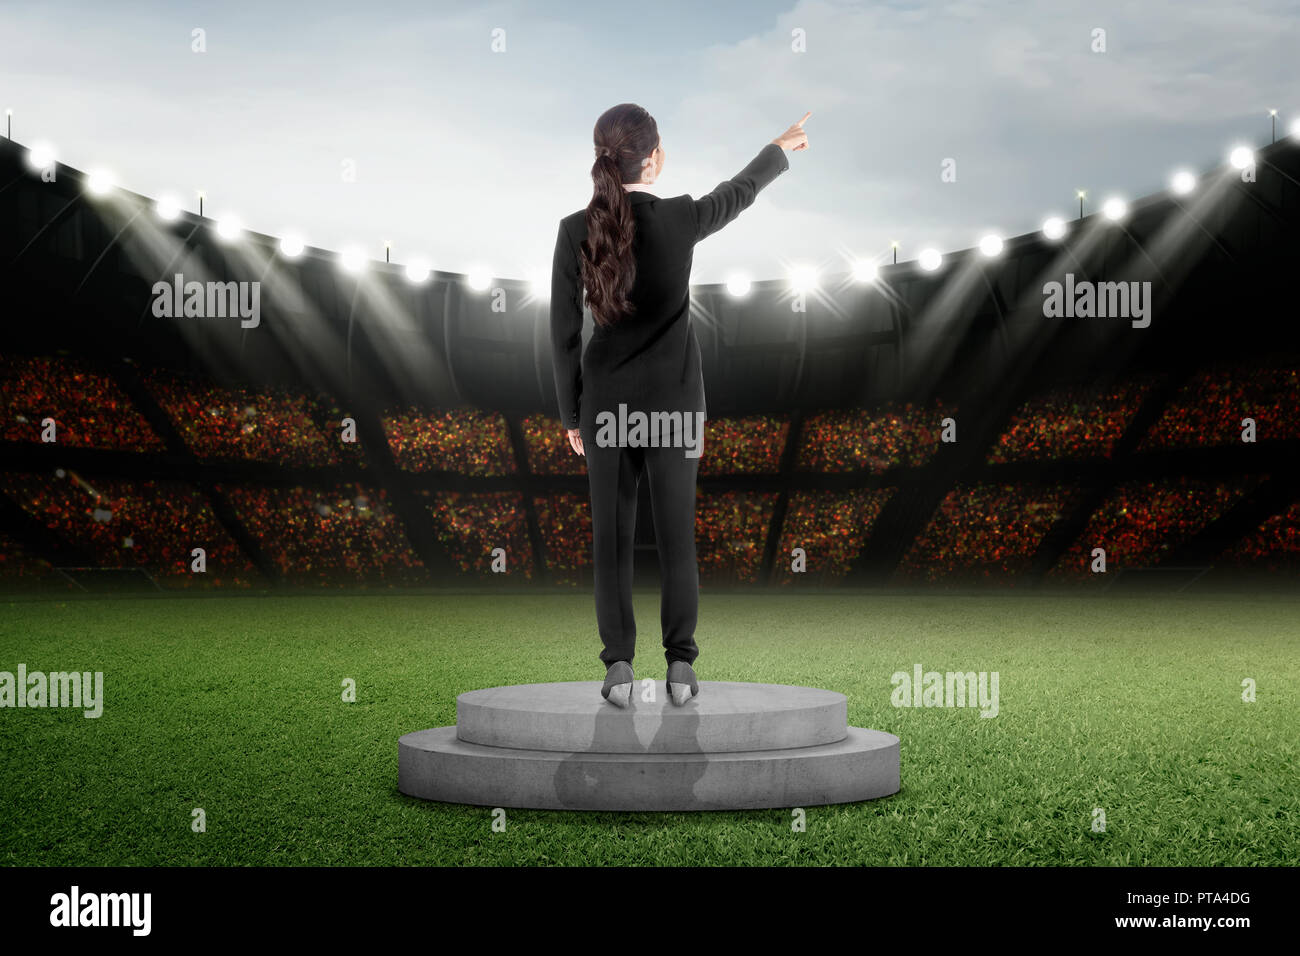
<point x="724" y="717"/>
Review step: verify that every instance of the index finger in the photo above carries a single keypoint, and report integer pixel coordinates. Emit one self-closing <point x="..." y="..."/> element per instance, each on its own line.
<point x="805" y="118"/>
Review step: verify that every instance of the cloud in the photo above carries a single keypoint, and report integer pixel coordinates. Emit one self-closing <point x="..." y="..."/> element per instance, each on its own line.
<point x="466" y="155"/>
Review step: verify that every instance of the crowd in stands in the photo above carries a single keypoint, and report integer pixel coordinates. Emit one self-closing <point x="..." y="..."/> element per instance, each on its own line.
<point x="1070" y="423"/>
<point x="341" y="535"/>
<point x="984" y="533"/>
<point x="831" y="527"/>
<point x="1209" y="409"/>
<point x="549" y="451"/>
<point x="565" y="524"/>
<point x="273" y="425"/>
<point x="732" y="446"/>
<point x="741" y="446"/>
<point x="89" y="408"/>
<point x="471" y="526"/>
<point x="896" y="436"/>
<point x="466" y="441"/>
<point x="1142" y="521"/>
<point x="730" y="534"/>
<point x="119" y="523"/>
<point x="348" y="535"/>
<point x="329" y="419"/>
<point x="1273" y="546"/>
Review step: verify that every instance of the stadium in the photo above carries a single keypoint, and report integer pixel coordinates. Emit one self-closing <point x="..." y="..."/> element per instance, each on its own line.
<point x="364" y="479"/>
<point x="933" y="429"/>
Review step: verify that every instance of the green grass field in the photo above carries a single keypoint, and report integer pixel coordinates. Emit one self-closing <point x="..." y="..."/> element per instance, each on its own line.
<point x="1133" y="705"/>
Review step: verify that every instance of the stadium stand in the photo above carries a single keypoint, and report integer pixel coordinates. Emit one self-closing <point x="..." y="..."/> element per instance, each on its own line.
<point x="1142" y="520"/>
<point x="1209" y="410"/>
<point x="88" y="407"/>
<point x="984" y="534"/>
<point x="1070" y="423"/>
<point x="730" y="528"/>
<point x="472" y="527"/>
<point x="1273" y="546"/>
<point x="874" y="441"/>
<point x="831" y="528"/>
<point x="825" y="434"/>
<point x="275" y="426"/>
<point x="466" y="441"/>
<point x="152" y="525"/>
<point x="327" y="536"/>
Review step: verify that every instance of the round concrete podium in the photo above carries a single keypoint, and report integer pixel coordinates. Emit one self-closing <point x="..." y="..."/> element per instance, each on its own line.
<point x="734" y="746"/>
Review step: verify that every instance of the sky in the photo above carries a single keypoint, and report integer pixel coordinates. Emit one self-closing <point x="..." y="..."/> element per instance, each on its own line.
<point x="361" y="124"/>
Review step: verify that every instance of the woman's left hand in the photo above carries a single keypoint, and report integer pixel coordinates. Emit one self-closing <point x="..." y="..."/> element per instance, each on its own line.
<point x="575" y="439"/>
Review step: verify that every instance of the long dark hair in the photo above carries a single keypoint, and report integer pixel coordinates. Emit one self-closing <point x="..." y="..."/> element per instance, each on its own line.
<point x="624" y="136"/>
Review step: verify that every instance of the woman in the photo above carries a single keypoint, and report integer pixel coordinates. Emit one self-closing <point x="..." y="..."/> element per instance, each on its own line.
<point x="630" y="252"/>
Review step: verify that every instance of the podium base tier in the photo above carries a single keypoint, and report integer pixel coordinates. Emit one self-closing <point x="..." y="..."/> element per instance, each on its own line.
<point x="436" y="765"/>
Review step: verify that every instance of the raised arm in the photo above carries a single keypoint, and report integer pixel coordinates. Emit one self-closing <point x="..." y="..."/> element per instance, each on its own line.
<point x="729" y="199"/>
<point x="566" y="329"/>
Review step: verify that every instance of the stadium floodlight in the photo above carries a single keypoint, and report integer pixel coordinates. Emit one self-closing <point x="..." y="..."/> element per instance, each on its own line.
<point x="1182" y="182"/>
<point x="991" y="245"/>
<point x="479" y="279"/>
<point x="417" y="271"/>
<point x="929" y="259"/>
<point x="41" y="156"/>
<point x="864" y="270"/>
<point x="229" y="228"/>
<point x="1053" y="227"/>
<point x="1114" y="208"/>
<point x="738" y="285"/>
<point x="1241" y="157"/>
<point x="100" y="182"/>
<point x="167" y="207"/>
<point x="803" y="278"/>
<point x="352" y="259"/>
<point x="291" y="245"/>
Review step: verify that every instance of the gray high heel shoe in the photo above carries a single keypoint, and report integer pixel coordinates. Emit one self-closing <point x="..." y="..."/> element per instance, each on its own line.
<point x="682" y="685"/>
<point x="618" y="684"/>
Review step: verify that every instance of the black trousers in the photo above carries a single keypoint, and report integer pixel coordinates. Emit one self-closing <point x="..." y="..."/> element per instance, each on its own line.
<point x="614" y="474"/>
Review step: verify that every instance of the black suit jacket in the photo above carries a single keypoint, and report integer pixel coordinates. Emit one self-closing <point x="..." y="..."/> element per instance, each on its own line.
<point x="650" y="358"/>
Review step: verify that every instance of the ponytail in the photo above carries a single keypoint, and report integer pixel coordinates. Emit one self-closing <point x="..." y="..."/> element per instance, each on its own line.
<point x="624" y="136"/>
